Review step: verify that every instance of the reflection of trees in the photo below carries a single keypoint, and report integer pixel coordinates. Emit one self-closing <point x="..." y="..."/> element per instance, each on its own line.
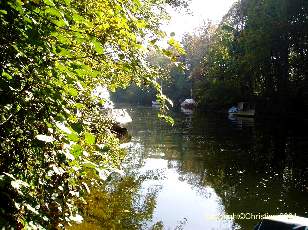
<point x="258" y="169"/>
<point x="118" y="206"/>
<point x="265" y="177"/>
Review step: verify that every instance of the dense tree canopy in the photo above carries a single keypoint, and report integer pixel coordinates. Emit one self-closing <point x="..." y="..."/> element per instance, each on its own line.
<point x="258" y="54"/>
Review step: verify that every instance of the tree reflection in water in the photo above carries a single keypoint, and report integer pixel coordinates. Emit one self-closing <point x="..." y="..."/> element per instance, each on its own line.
<point x="119" y="205"/>
<point x="249" y="167"/>
<point x="254" y="167"/>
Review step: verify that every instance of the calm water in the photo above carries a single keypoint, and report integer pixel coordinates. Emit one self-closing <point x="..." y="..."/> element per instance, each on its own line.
<point x="207" y="168"/>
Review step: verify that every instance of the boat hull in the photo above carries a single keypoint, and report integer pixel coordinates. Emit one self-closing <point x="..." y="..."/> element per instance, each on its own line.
<point x="250" y="113"/>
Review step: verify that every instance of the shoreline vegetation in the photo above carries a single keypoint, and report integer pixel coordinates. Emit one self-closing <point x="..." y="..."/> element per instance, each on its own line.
<point x="256" y="54"/>
<point x="56" y="143"/>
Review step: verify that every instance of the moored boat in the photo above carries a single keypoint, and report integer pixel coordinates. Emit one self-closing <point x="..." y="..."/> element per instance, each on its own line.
<point x="243" y="109"/>
<point x="188" y="104"/>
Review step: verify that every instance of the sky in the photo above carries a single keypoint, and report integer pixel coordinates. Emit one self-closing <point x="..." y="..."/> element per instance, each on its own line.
<point x="202" y="10"/>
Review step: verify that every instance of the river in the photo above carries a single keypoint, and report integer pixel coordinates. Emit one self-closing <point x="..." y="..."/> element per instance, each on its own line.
<point x="215" y="172"/>
<point x="208" y="171"/>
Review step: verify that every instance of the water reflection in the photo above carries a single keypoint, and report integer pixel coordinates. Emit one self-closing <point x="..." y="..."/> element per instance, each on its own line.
<point x="211" y="166"/>
<point x="241" y="122"/>
<point x="120" y="206"/>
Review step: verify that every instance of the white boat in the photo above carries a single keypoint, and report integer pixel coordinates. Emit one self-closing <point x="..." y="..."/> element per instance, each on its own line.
<point x="243" y="109"/>
<point x="187" y="111"/>
<point x="188" y="103"/>
<point x="233" y="110"/>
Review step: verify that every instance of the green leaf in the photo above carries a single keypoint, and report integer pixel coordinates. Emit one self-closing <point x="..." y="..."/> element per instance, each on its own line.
<point x="79" y="105"/>
<point x="77" y="127"/>
<point x="168" y="119"/>
<point x="53" y="12"/>
<point x="89" y="164"/>
<point x="65" y="53"/>
<point x="49" y="2"/>
<point x="76" y="150"/>
<point x="3" y="12"/>
<point x="78" y="18"/>
<point x="171" y="41"/>
<point x="141" y="24"/>
<point x="6" y="75"/>
<point x="67" y="2"/>
<point x="61" y="23"/>
<point x="167" y="52"/>
<point x="73" y="137"/>
<point x="98" y="47"/>
<point x="72" y="91"/>
<point x="89" y="138"/>
<point x="102" y="148"/>
<point x="16" y="6"/>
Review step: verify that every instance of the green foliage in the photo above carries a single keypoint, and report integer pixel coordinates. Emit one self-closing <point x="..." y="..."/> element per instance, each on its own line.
<point x="172" y="81"/>
<point x="258" y="52"/>
<point x="53" y="134"/>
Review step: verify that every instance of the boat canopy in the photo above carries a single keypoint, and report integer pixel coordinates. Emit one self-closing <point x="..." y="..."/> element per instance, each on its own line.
<point x="188" y="101"/>
<point x="233" y="109"/>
